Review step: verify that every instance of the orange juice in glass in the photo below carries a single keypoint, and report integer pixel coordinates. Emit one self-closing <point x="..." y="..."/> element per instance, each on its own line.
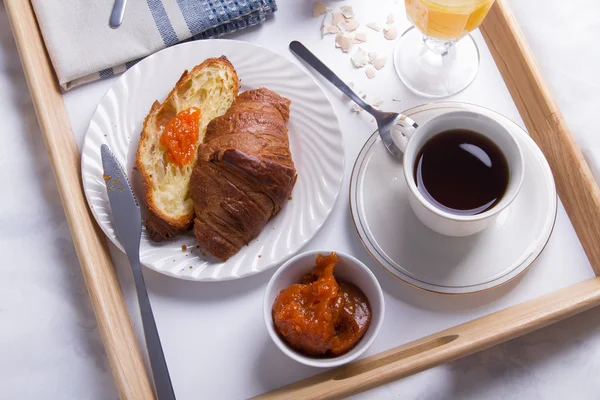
<point x="430" y="58"/>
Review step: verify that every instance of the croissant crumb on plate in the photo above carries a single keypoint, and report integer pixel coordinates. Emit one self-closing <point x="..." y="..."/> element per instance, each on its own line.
<point x="244" y="173"/>
<point x="171" y="133"/>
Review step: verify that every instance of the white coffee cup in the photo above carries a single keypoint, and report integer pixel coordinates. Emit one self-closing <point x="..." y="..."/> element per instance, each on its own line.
<point x="445" y="222"/>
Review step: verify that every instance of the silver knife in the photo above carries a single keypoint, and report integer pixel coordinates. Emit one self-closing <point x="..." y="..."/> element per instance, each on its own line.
<point x="128" y="225"/>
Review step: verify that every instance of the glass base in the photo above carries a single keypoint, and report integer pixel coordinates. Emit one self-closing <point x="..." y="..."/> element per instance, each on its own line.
<point x="437" y="69"/>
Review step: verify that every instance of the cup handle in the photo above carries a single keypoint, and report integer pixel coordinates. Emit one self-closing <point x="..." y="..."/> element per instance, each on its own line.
<point x="406" y="127"/>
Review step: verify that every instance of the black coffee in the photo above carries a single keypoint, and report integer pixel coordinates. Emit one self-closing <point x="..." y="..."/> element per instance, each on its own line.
<point x="462" y="172"/>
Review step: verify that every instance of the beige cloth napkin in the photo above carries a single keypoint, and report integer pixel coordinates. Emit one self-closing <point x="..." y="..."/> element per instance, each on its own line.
<point x="84" y="48"/>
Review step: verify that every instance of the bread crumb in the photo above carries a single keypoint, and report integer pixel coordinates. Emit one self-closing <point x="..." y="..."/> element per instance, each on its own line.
<point x="347" y="11"/>
<point x="344" y="41"/>
<point x="183" y="247"/>
<point x="338" y="19"/>
<point x="106" y="177"/>
<point x="350" y="25"/>
<point x="370" y="72"/>
<point x="329" y="30"/>
<point x="105" y="135"/>
<point x="319" y="8"/>
<point x="190" y="267"/>
<point x="390" y="33"/>
<point x="359" y="59"/>
<point x="259" y="256"/>
<point x="360" y="37"/>
<point x="327" y="26"/>
<point x="374" y="26"/>
<point x="380" y="62"/>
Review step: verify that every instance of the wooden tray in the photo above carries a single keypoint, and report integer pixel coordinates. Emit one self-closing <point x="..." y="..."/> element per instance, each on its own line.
<point x="576" y="187"/>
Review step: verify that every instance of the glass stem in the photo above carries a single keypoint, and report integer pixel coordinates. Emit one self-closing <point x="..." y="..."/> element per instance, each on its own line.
<point x="438" y="46"/>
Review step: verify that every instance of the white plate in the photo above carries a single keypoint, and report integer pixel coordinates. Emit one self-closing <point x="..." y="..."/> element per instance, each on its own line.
<point x="430" y="261"/>
<point x="315" y="141"/>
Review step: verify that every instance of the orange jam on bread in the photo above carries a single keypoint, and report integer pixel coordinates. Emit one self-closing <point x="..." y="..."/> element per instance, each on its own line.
<point x="321" y="316"/>
<point x="180" y="136"/>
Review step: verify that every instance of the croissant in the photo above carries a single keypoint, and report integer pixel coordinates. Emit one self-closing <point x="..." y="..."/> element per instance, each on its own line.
<point x="244" y="174"/>
<point x="210" y="88"/>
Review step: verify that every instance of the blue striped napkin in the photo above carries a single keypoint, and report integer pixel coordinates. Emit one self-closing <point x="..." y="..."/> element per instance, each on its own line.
<point x="84" y="48"/>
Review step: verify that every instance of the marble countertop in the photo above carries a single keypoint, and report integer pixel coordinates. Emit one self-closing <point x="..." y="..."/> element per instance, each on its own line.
<point x="49" y="342"/>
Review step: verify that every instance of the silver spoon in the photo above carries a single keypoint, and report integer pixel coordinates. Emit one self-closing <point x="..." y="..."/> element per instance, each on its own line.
<point x="116" y="15"/>
<point x="385" y="120"/>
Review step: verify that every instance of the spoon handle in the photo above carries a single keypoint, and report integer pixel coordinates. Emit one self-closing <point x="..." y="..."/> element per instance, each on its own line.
<point x="301" y="51"/>
<point x="116" y="15"/>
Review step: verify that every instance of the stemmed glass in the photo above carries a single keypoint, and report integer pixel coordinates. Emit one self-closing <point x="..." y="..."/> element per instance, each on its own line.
<point x="437" y="57"/>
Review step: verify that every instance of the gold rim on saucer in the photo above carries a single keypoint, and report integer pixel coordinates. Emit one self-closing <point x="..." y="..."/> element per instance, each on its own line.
<point x="516" y="270"/>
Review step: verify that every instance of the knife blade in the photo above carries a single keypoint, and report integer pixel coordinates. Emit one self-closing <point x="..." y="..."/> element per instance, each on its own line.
<point x="127" y="220"/>
<point x="126" y="213"/>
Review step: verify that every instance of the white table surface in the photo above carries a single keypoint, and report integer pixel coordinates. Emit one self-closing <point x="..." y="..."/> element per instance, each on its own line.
<point x="213" y="334"/>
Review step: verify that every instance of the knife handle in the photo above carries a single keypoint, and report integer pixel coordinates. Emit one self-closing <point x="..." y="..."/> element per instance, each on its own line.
<point x="158" y="364"/>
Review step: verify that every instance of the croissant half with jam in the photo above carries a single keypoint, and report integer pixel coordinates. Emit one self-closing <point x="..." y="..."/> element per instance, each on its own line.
<point x="171" y="133"/>
<point x="244" y="172"/>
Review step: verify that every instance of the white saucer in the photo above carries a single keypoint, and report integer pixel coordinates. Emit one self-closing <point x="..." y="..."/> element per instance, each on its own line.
<point x="430" y="261"/>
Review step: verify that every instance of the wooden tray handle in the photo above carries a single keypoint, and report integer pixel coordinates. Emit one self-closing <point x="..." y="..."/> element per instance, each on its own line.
<point x="115" y="328"/>
<point x="442" y="347"/>
<point x="580" y="196"/>
<point x="575" y="183"/>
